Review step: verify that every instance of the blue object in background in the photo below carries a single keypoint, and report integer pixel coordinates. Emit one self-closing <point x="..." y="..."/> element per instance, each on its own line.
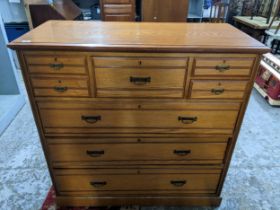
<point x="15" y="30"/>
<point x="207" y="4"/>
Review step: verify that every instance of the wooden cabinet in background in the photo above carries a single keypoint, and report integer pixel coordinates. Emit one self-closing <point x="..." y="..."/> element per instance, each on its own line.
<point x="117" y="10"/>
<point x="165" y="10"/>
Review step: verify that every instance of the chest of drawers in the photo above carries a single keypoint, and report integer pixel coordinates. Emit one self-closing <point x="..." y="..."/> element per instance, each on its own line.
<point x="144" y="114"/>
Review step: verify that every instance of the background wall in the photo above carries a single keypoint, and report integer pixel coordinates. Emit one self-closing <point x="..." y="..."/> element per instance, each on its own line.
<point x="12" y="12"/>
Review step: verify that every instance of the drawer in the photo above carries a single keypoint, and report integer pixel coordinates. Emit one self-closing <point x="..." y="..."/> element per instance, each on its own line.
<point x="119" y="82"/>
<point x="117" y="1"/>
<point x="218" y="89"/>
<point x="140" y="62"/>
<point x="44" y="86"/>
<point x="56" y="64"/>
<point x="223" y="66"/>
<point x="117" y="17"/>
<point x="117" y="8"/>
<point x="118" y="119"/>
<point x="96" y="181"/>
<point x="199" y="152"/>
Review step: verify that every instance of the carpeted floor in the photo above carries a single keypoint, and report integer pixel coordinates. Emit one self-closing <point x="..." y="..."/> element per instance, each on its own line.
<point x="253" y="181"/>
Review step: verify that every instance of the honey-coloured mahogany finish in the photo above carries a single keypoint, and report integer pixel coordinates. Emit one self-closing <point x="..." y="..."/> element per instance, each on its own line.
<point x="138" y="113"/>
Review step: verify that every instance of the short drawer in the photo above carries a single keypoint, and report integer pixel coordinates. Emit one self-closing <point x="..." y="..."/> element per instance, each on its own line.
<point x="117" y="8"/>
<point x="118" y="17"/>
<point x="117" y="1"/>
<point x="212" y="66"/>
<point x="56" y="64"/>
<point x="218" y="89"/>
<point x="120" y="119"/>
<point x="198" y="152"/>
<point x="44" y="86"/>
<point x="140" y="62"/>
<point x="137" y="180"/>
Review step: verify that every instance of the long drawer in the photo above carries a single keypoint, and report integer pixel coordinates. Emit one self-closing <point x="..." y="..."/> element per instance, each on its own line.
<point x="138" y="118"/>
<point x="98" y="181"/>
<point x="104" y="117"/>
<point x="209" y="152"/>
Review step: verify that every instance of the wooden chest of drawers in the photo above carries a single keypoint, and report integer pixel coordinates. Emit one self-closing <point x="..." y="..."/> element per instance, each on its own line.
<point x="126" y="118"/>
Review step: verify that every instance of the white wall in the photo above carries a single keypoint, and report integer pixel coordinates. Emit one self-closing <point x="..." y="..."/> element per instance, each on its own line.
<point x="12" y="12"/>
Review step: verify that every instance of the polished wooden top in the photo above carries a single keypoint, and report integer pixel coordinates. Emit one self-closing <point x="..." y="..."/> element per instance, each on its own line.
<point x="135" y="36"/>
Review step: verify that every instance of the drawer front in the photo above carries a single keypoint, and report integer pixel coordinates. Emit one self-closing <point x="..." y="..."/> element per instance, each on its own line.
<point x="138" y="152"/>
<point x="140" y="62"/>
<point x="131" y="181"/>
<point x="117" y="1"/>
<point x="138" y="119"/>
<point x="223" y="66"/>
<point x="43" y="86"/>
<point x="116" y="17"/>
<point x="56" y="64"/>
<point x="139" y="78"/>
<point x="117" y="8"/>
<point x="218" y="89"/>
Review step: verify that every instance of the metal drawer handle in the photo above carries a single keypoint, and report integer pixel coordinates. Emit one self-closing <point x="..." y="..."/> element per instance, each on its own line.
<point x="182" y="152"/>
<point x="56" y="66"/>
<point x="91" y="119"/>
<point x="218" y="91"/>
<point x="140" y="80"/>
<point x="187" y="120"/>
<point x="60" y="89"/>
<point x="98" y="184"/>
<point x="95" y="153"/>
<point x="223" y="67"/>
<point x="178" y="183"/>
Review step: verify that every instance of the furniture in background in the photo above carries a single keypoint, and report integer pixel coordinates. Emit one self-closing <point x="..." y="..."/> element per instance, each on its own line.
<point x="117" y="10"/>
<point x="138" y="114"/>
<point x="196" y="10"/>
<point x="59" y="10"/>
<point x="268" y="79"/>
<point x="164" y="10"/>
<point x="255" y="27"/>
<point x="218" y="12"/>
<point x="11" y="96"/>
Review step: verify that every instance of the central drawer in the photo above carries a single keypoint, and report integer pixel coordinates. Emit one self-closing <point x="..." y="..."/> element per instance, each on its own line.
<point x="157" y="77"/>
<point x="196" y="181"/>
<point x="209" y="152"/>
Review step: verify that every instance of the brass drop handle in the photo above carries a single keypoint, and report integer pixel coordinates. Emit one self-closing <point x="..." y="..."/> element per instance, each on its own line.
<point x="218" y="91"/>
<point x="187" y="120"/>
<point x="178" y="183"/>
<point x="98" y="184"/>
<point x="56" y="66"/>
<point x="182" y="152"/>
<point x="91" y="119"/>
<point x="222" y="67"/>
<point x="60" y="89"/>
<point x="140" y="80"/>
<point x="95" y="153"/>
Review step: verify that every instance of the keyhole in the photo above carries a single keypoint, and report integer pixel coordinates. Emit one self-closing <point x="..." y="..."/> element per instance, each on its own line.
<point x="55" y="59"/>
<point x="140" y="63"/>
<point x="138" y="140"/>
<point x="59" y="81"/>
<point x="139" y="106"/>
<point x="219" y="84"/>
